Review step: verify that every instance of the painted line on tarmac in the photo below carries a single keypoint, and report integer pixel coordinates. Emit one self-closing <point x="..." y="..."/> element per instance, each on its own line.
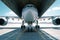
<point x="40" y="35"/>
<point x="20" y="34"/>
<point x="48" y="35"/>
<point x="11" y="36"/>
<point x="14" y="34"/>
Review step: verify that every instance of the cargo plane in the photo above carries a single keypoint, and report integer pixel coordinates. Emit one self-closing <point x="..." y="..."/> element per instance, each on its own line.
<point x="30" y="11"/>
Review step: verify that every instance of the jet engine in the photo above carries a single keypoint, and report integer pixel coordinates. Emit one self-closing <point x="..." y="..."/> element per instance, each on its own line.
<point x="3" y="22"/>
<point x="56" y="21"/>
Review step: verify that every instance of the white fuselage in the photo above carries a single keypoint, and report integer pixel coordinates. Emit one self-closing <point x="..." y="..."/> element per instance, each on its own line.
<point x="29" y="13"/>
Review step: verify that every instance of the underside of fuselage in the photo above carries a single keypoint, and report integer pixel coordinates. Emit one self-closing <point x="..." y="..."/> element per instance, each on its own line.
<point x="18" y="5"/>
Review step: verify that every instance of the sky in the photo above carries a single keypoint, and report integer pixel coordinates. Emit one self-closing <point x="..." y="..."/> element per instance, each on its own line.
<point x="53" y="10"/>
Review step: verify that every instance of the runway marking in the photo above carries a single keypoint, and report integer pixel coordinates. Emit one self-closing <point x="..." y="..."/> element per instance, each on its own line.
<point x="21" y="32"/>
<point x="4" y="31"/>
<point x="48" y="35"/>
<point x="42" y="36"/>
<point x="19" y="35"/>
<point x="40" y="33"/>
<point x="10" y="36"/>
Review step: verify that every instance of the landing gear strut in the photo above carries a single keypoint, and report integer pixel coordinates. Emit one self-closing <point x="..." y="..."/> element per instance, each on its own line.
<point x="37" y="26"/>
<point x="23" y="26"/>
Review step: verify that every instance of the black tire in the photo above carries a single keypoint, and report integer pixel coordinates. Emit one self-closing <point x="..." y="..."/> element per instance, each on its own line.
<point x="23" y="27"/>
<point x="29" y="30"/>
<point x="37" y="27"/>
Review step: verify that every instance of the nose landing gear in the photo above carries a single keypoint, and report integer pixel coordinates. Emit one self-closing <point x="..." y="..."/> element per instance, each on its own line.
<point x="30" y="28"/>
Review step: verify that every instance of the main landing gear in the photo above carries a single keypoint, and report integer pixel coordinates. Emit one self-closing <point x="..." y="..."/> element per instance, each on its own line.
<point x="37" y="26"/>
<point x="23" y="26"/>
<point x="30" y="28"/>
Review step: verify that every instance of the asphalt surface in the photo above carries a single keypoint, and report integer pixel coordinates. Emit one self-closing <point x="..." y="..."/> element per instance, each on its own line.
<point x="22" y="35"/>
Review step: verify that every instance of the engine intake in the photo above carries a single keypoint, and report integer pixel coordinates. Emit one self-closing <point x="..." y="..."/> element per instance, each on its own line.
<point x="3" y="22"/>
<point x="56" y="21"/>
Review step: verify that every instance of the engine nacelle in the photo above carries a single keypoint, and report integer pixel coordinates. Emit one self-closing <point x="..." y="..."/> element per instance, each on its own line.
<point x="56" y="21"/>
<point x="3" y="22"/>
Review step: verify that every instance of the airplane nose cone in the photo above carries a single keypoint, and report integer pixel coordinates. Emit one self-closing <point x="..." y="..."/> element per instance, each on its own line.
<point x="29" y="17"/>
<point x="29" y="13"/>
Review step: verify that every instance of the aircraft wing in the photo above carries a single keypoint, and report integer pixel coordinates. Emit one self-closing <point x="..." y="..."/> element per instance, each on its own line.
<point x="43" y="17"/>
<point x="17" y="5"/>
<point x="41" y="21"/>
<point x="50" y="16"/>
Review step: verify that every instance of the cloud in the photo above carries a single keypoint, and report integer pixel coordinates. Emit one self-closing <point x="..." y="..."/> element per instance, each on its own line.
<point x="11" y="13"/>
<point x="52" y="11"/>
